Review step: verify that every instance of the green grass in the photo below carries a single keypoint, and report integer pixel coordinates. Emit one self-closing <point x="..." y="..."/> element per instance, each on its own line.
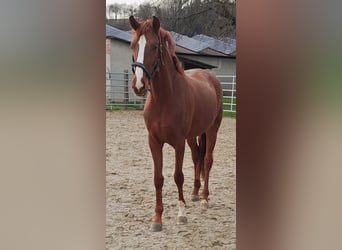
<point x="229" y="114"/>
<point x="119" y="107"/>
<point x="226" y="106"/>
<point x="122" y="106"/>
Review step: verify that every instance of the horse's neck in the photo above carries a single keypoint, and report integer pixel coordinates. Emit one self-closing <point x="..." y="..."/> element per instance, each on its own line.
<point x="163" y="84"/>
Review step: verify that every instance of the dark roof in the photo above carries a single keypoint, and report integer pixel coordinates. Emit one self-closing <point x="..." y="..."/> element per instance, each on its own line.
<point x="112" y="32"/>
<point x="199" y="44"/>
<point x="188" y="42"/>
<point x="227" y="47"/>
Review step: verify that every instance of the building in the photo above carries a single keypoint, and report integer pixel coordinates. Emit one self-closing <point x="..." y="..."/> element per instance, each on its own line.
<point x="199" y="51"/>
<point x="206" y="52"/>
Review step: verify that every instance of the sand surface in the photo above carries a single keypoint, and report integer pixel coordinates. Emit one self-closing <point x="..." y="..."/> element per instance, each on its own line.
<point x="131" y="198"/>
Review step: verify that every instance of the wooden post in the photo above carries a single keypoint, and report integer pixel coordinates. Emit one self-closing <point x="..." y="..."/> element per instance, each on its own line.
<point x="126" y="93"/>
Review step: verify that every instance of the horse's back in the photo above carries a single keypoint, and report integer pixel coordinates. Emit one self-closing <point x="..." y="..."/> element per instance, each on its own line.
<point x="203" y="76"/>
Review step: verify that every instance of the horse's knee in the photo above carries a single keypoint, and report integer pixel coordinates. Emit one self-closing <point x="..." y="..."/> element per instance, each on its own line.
<point x="208" y="161"/>
<point x="195" y="162"/>
<point x="178" y="177"/>
<point x="158" y="181"/>
<point x="197" y="183"/>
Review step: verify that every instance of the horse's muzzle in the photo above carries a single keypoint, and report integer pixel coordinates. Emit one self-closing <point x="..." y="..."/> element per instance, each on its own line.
<point x="140" y="92"/>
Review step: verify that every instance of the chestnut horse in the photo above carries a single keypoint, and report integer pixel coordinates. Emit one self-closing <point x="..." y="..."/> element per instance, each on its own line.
<point x="181" y="106"/>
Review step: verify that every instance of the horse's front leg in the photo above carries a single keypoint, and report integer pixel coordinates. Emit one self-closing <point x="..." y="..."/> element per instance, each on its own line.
<point x="156" y="148"/>
<point x="179" y="179"/>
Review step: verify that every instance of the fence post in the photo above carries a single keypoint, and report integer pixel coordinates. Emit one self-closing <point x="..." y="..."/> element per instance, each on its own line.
<point x="232" y="95"/>
<point x="126" y="94"/>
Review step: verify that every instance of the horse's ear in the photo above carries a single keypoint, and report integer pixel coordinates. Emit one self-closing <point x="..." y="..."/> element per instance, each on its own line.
<point x="134" y="23"/>
<point x="156" y="24"/>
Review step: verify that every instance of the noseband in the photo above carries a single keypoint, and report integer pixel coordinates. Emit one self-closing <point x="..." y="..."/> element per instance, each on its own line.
<point x="156" y="66"/>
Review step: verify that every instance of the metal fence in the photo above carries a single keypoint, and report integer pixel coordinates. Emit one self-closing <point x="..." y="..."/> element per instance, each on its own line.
<point x="228" y="84"/>
<point x="120" y="95"/>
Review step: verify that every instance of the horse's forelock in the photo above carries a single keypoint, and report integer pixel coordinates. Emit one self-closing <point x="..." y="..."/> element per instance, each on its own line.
<point x="144" y="28"/>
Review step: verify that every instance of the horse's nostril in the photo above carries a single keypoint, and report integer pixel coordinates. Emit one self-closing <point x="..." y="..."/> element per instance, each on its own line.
<point x="140" y="91"/>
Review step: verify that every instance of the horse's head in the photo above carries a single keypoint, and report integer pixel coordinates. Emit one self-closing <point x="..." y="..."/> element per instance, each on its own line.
<point x="147" y="53"/>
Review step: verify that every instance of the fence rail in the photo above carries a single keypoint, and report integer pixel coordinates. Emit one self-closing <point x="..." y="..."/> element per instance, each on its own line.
<point x="228" y="84"/>
<point x="120" y="95"/>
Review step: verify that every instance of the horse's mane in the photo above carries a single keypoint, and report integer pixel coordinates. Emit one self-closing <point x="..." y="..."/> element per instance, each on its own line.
<point x="166" y="39"/>
<point x="170" y="45"/>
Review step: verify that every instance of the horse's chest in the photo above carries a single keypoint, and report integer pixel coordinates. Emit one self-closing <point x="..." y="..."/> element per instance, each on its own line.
<point x="165" y="129"/>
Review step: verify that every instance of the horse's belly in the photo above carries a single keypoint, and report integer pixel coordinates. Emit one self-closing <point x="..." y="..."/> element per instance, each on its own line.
<point x="206" y="104"/>
<point x="203" y="118"/>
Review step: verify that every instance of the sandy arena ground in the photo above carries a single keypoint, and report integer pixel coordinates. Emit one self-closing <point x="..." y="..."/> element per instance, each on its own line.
<point x="131" y="197"/>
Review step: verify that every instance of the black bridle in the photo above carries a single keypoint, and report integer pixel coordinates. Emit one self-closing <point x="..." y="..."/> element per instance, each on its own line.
<point x="156" y="66"/>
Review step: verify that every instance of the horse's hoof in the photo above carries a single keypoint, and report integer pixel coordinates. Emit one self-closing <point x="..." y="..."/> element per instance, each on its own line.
<point x="204" y="204"/>
<point x="181" y="220"/>
<point x="195" y="197"/>
<point x="156" y="227"/>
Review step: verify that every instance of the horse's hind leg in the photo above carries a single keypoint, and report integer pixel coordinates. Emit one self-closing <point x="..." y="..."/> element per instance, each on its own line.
<point x="179" y="179"/>
<point x="195" y="154"/>
<point x="211" y="136"/>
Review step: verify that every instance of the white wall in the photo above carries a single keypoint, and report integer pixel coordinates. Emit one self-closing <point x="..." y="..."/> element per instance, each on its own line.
<point x="224" y="66"/>
<point x="121" y="56"/>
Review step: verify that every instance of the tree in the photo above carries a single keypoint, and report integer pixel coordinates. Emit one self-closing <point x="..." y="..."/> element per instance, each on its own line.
<point x="145" y="11"/>
<point x="215" y="18"/>
<point x="114" y="8"/>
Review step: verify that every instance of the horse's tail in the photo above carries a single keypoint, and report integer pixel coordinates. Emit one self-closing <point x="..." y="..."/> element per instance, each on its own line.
<point x="202" y="149"/>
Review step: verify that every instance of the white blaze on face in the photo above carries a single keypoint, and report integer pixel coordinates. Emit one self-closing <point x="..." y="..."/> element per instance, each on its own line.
<point x="138" y="71"/>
